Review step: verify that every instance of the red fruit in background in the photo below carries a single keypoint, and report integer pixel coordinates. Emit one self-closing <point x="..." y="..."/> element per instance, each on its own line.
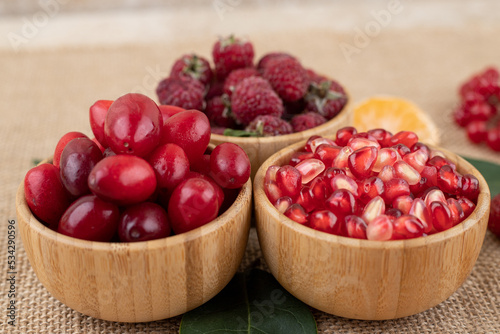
<point x="45" y="194"/>
<point x="77" y="161"/>
<point x="253" y="97"/>
<point x="171" y="165"/>
<point x="289" y="180"/>
<point x="327" y="98"/>
<point x="481" y="111"/>
<point x="236" y="77"/>
<point x="325" y="221"/>
<point x="306" y="121"/>
<point x="142" y="222"/>
<point x="133" y="125"/>
<point x="61" y="144"/>
<point x="192" y="204"/>
<point x="229" y="166"/>
<point x="194" y="67"/>
<point x="287" y="77"/>
<point x="190" y="130"/>
<point x="264" y="61"/>
<point x="90" y="218"/>
<point x="494" y="220"/>
<point x="184" y="92"/>
<point x="169" y="111"/>
<point x="231" y="53"/>
<point x="218" y="112"/>
<point x="477" y="131"/>
<point x="493" y="139"/>
<point x="123" y="179"/>
<point x="97" y="115"/>
<point x="269" y="126"/>
<point x="484" y="83"/>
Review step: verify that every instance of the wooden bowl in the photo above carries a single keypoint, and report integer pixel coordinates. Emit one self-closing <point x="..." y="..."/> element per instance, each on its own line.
<point x="362" y="279"/>
<point x="259" y="149"/>
<point x="141" y="281"/>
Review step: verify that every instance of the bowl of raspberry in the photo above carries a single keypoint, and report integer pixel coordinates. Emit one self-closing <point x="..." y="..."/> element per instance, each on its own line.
<point x="145" y="221"/>
<point x="370" y="225"/>
<point x="262" y="104"/>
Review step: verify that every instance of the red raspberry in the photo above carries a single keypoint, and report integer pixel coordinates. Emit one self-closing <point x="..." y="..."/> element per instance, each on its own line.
<point x="326" y="98"/>
<point x="264" y="61"/>
<point x="236" y="77"/>
<point x="267" y="126"/>
<point x="230" y="54"/>
<point x="306" y="121"/>
<point x="494" y="221"/>
<point x="253" y="97"/>
<point x="216" y="88"/>
<point x="182" y="92"/>
<point x="287" y="77"/>
<point x="218" y="112"/>
<point x="293" y="108"/>
<point x="192" y="66"/>
<point x="315" y="77"/>
<point x="485" y="83"/>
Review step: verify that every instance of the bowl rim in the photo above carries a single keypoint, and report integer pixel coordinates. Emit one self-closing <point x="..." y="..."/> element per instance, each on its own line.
<point x="468" y="223"/>
<point x="344" y="113"/>
<point x="244" y="195"/>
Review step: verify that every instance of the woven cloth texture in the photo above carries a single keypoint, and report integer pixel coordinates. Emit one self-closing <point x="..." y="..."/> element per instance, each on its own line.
<point x="46" y="93"/>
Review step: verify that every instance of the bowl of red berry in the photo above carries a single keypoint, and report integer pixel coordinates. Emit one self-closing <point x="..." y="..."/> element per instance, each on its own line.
<point x="144" y="222"/>
<point x="370" y="225"/>
<point x="262" y="105"/>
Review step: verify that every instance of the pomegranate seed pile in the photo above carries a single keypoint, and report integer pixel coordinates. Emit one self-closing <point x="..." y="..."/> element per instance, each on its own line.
<point x="480" y="101"/>
<point x="372" y="185"/>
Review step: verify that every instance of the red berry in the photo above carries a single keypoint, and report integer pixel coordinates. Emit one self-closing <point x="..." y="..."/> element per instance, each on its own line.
<point x="267" y="58"/>
<point x="477" y="131"/>
<point x="184" y="92"/>
<point x="493" y="139"/>
<point x="327" y="98"/>
<point x="494" y="220"/>
<point x="287" y="77"/>
<point x="142" y="222"/>
<point x="45" y="194"/>
<point x="218" y="112"/>
<point x="268" y="126"/>
<point x="168" y="111"/>
<point x="306" y="121"/>
<point x="133" y="125"/>
<point x="61" y="144"/>
<point x="194" y="67"/>
<point x="481" y="112"/>
<point x="171" y="165"/>
<point x="229" y="166"/>
<point x="90" y="218"/>
<point x="192" y="204"/>
<point x="236" y="77"/>
<point x="122" y="179"/>
<point x="219" y="192"/>
<point x="97" y="115"/>
<point x="230" y="54"/>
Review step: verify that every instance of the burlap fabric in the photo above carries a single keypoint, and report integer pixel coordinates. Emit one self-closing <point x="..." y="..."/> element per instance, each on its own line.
<point x="46" y="93"/>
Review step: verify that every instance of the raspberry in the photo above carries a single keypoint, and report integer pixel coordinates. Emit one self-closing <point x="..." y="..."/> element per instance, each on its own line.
<point x="293" y="108"/>
<point x="315" y="77"/>
<point x="306" y="121"/>
<point x="182" y="92"/>
<point x="230" y="54"/>
<point x="216" y="88"/>
<point x="326" y="98"/>
<point x="266" y="126"/>
<point x="485" y="83"/>
<point x="193" y="66"/>
<point x="264" y="61"/>
<point x="218" y="112"/>
<point x="494" y="221"/>
<point x="253" y="97"/>
<point x="236" y="77"/>
<point x="287" y="77"/>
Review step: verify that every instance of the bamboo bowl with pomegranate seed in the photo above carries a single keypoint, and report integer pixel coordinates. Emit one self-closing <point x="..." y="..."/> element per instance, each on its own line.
<point x="259" y="149"/>
<point x="138" y="281"/>
<point x="366" y="279"/>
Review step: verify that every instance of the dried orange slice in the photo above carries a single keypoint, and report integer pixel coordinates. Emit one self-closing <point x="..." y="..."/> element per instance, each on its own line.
<point x="395" y="114"/>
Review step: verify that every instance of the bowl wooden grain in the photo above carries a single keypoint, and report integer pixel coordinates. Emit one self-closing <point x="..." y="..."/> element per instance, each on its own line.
<point x="259" y="149"/>
<point x="362" y="279"/>
<point x="142" y="281"/>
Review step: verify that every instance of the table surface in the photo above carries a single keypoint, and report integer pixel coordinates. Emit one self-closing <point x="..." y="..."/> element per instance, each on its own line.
<point x="55" y="61"/>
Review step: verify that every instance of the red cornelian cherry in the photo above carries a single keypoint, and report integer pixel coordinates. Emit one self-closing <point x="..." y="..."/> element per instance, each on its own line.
<point x="361" y="161"/>
<point x="289" y="180"/>
<point x="326" y="221"/>
<point x="341" y="202"/>
<point x="493" y="138"/>
<point x="297" y="213"/>
<point x="344" y="134"/>
<point x="407" y="227"/>
<point x="355" y="227"/>
<point x="309" y="169"/>
<point x="381" y="228"/>
<point x="477" y="131"/>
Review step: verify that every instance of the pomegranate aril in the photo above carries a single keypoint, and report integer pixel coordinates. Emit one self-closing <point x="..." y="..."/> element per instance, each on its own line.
<point x="327" y="153"/>
<point x="406" y="172"/>
<point x="289" y="180"/>
<point x="344" y="135"/>
<point x="355" y="227"/>
<point x="441" y="216"/>
<point x="395" y="188"/>
<point x="306" y="200"/>
<point x="296" y="213"/>
<point x="420" y="187"/>
<point x="407" y="138"/>
<point x="319" y="189"/>
<point x="438" y="162"/>
<point x="434" y="195"/>
<point x="387" y="173"/>
<point x="283" y="203"/>
<point x="344" y="182"/>
<point x="386" y="156"/>
<point x="272" y="191"/>
<point x="417" y="159"/>
<point x="456" y="211"/>
<point x="325" y="221"/>
<point x="403" y="203"/>
<point x="436" y="153"/>
<point x="393" y="212"/>
<point x="467" y="205"/>
<point x="407" y="227"/>
<point x="357" y="143"/>
<point x="477" y="131"/>
<point x="381" y="229"/>
<point x="298" y="157"/>
<point x="470" y="187"/>
<point x="308" y="147"/>
<point x="421" y="146"/>
<point x="430" y="174"/>
<point x="402" y="149"/>
<point x="341" y="160"/>
<point x="315" y="143"/>
<point x="271" y="174"/>
<point x="361" y="161"/>
<point x="382" y="136"/>
<point x="341" y="202"/>
<point x="309" y="169"/>
<point x="373" y="209"/>
<point x="421" y="211"/>
<point x="448" y="180"/>
<point x="370" y="188"/>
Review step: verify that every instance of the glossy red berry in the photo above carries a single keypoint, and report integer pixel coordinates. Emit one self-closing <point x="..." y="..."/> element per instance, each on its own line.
<point x="171" y="165"/>
<point x="229" y="166"/>
<point x="61" y="144"/>
<point x="97" y="116"/>
<point x="142" y="222"/>
<point x="477" y="131"/>
<point x="493" y="138"/>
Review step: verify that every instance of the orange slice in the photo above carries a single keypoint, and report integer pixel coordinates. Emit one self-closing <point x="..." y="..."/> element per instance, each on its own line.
<point x="395" y="114"/>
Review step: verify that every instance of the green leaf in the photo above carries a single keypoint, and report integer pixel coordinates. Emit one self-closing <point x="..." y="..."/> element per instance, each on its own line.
<point x="490" y="172"/>
<point x="240" y="133"/>
<point x="253" y="303"/>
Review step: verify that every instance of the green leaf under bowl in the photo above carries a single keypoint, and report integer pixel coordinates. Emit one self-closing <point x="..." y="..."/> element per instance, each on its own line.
<point x="490" y="172"/>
